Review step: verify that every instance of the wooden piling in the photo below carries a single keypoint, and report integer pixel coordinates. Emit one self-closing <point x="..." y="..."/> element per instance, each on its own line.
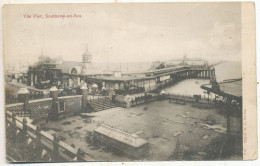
<point x="56" y="141"/>
<point x="13" y="126"/>
<point x="24" y="139"/>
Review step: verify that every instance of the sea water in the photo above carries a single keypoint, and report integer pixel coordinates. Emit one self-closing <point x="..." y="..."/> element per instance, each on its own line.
<point x="224" y="71"/>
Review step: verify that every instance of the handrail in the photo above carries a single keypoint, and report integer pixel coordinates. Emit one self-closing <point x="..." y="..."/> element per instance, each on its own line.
<point x="20" y="126"/>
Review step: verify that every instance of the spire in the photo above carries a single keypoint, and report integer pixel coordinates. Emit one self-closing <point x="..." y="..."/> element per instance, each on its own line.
<point x="86" y="56"/>
<point x="41" y="57"/>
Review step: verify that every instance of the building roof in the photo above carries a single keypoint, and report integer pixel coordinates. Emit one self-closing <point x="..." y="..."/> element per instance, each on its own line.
<point x="138" y="76"/>
<point x="228" y="88"/>
<point x="125" y="68"/>
<point x="121" y="136"/>
<point x="92" y="68"/>
<point x="66" y="66"/>
<point x="120" y="79"/>
<point x="200" y="63"/>
<point x="96" y="68"/>
<point x="82" y="68"/>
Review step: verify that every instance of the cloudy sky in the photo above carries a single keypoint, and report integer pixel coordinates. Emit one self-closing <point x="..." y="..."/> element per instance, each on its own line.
<point x="124" y="32"/>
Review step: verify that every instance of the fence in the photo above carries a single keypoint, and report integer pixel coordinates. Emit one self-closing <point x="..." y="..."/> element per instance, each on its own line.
<point x="37" y="145"/>
<point x="200" y="102"/>
<point x="132" y="90"/>
<point x="143" y="99"/>
<point x="174" y="98"/>
<point x="190" y="98"/>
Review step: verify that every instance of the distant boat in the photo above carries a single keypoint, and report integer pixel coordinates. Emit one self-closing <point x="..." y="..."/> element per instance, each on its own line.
<point x="196" y="82"/>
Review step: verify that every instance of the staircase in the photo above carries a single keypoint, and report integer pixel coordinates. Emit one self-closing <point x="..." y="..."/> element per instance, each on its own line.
<point x="101" y="103"/>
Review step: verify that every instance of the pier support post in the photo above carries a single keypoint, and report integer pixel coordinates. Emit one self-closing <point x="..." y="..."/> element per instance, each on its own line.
<point x="54" y="114"/>
<point x="84" y="90"/>
<point x="32" y="79"/>
<point x="54" y="93"/>
<point x="56" y="141"/>
<point x="24" y="139"/>
<point x="38" y="149"/>
<point x="228" y="116"/>
<point x="13" y="126"/>
<point x="228" y="148"/>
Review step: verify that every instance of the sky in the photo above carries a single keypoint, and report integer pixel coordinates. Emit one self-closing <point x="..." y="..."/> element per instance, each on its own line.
<point x="123" y="32"/>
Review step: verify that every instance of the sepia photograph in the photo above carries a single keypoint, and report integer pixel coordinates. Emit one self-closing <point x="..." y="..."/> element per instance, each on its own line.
<point x="124" y="82"/>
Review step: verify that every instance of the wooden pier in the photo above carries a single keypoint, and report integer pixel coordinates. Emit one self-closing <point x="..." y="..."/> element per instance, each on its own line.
<point x="151" y="80"/>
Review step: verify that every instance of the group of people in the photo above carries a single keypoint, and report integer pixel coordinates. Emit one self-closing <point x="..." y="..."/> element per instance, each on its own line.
<point x="233" y="106"/>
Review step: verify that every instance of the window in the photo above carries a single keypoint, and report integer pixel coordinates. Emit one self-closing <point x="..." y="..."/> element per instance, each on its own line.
<point x="74" y="71"/>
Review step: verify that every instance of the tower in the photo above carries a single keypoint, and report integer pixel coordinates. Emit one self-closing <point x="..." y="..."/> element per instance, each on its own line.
<point x="86" y="56"/>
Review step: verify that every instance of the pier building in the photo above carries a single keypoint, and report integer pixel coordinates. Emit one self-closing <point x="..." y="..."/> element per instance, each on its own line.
<point x="69" y="74"/>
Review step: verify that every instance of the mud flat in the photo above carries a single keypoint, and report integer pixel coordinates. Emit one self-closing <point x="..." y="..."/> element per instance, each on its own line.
<point x="160" y="123"/>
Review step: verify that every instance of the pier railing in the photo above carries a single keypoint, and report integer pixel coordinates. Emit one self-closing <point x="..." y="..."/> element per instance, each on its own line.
<point x="142" y="99"/>
<point x="189" y="98"/>
<point x="37" y="145"/>
<point x="202" y="102"/>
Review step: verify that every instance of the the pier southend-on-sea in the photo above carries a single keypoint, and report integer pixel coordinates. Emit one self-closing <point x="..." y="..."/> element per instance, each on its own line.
<point x="62" y="16"/>
<point x="78" y="111"/>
